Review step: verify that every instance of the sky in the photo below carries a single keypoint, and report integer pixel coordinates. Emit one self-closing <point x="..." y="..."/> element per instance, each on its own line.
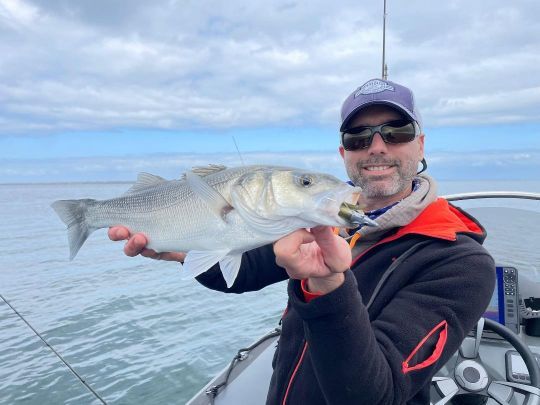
<point x="99" y="90"/>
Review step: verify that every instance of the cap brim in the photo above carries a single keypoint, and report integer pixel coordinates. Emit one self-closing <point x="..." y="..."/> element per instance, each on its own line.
<point x="391" y="104"/>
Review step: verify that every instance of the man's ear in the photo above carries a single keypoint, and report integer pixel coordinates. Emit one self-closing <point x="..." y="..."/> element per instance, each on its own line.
<point x="421" y="139"/>
<point x="421" y="153"/>
<point x="341" y="151"/>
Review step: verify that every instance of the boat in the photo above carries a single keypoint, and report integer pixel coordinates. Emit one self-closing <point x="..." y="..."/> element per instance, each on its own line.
<point x="498" y="362"/>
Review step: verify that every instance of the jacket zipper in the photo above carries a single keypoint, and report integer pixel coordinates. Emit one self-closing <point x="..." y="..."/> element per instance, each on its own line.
<point x="294" y="373"/>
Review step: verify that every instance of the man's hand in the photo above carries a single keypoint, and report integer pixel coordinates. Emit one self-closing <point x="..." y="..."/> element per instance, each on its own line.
<point x="319" y="256"/>
<point x="136" y="245"/>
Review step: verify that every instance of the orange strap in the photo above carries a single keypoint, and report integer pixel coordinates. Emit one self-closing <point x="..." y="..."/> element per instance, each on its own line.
<point x="353" y="240"/>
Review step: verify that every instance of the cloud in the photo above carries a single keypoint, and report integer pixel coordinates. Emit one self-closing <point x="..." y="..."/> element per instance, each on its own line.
<point x="514" y="105"/>
<point x="17" y="14"/>
<point x="101" y="65"/>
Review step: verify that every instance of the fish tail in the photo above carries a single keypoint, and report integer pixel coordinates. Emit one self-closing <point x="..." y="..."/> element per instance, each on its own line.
<point x="73" y="214"/>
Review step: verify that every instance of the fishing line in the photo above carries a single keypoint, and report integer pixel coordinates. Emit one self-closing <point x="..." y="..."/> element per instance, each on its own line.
<point x="54" y="351"/>
<point x="238" y="150"/>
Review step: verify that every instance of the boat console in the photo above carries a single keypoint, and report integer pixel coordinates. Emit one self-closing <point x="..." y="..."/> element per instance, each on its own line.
<point x="499" y="362"/>
<point x="506" y="309"/>
<point x="503" y="307"/>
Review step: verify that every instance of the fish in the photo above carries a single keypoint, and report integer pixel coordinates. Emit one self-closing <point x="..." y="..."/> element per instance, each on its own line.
<point x="216" y="213"/>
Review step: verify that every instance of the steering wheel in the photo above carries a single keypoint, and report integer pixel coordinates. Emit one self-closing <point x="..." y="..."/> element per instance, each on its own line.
<point x="470" y="376"/>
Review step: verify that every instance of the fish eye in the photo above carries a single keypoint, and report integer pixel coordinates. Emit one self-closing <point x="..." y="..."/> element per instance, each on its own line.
<point x="305" y="180"/>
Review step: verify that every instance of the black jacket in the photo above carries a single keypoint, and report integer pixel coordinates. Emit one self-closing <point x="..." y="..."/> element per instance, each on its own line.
<point x="340" y="348"/>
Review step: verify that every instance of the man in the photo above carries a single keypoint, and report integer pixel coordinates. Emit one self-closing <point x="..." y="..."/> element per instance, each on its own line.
<point x="374" y="314"/>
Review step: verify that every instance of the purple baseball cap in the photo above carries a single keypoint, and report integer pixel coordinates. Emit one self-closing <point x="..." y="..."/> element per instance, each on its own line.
<point x="379" y="91"/>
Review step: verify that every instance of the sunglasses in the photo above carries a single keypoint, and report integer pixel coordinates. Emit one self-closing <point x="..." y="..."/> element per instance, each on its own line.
<point x="394" y="132"/>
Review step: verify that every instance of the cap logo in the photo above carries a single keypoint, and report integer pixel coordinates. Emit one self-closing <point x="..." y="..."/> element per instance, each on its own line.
<point x="372" y="87"/>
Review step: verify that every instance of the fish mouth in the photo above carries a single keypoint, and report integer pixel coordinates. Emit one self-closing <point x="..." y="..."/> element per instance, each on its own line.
<point x="355" y="197"/>
<point x="337" y="208"/>
<point x="331" y="201"/>
<point x="354" y="215"/>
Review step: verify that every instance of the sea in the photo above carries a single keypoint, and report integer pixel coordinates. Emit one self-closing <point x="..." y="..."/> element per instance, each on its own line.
<point x="132" y="328"/>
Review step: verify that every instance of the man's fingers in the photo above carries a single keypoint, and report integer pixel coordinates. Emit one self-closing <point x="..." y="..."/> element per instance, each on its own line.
<point x="287" y="249"/>
<point x="118" y="233"/>
<point x="167" y="256"/>
<point x="289" y="245"/>
<point x="152" y="254"/>
<point x="135" y="245"/>
<point x="324" y="235"/>
<point x="173" y="256"/>
<point x="335" y="250"/>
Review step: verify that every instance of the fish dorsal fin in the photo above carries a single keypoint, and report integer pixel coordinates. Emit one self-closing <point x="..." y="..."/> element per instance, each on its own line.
<point x="209" y="169"/>
<point x="214" y="200"/>
<point x="144" y="181"/>
<point x="206" y="170"/>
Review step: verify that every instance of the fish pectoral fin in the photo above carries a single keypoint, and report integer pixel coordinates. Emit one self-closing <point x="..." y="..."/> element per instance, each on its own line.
<point x="198" y="261"/>
<point x="215" y="201"/>
<point x="144" y="181"/>
<point x="230" y="265"/>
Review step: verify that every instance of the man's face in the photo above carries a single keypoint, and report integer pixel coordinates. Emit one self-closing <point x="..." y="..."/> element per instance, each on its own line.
<point x="384" y="171"/>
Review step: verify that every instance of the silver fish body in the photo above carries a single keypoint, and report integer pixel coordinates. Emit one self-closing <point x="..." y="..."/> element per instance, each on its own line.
<point x="214" y="213"/>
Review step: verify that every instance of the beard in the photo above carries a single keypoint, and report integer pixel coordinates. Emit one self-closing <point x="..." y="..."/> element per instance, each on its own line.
<point x="382" y="186"/>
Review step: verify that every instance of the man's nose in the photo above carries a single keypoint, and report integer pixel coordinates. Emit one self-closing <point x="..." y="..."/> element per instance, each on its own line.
<point x="377" y="146"/>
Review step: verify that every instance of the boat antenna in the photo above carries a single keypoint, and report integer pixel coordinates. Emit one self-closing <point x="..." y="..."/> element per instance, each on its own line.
<point x="384" y="66"/>
<point x="54" y="351"/>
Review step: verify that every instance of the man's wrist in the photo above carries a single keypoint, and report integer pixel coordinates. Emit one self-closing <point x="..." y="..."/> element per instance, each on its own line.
<point x="324" y="285"/>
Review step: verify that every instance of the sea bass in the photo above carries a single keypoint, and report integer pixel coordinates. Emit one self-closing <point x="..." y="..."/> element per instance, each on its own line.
<point x="216" y="213"/>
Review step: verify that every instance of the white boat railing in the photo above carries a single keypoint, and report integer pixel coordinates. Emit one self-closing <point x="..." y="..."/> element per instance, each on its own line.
<point x="493" y="194"/>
